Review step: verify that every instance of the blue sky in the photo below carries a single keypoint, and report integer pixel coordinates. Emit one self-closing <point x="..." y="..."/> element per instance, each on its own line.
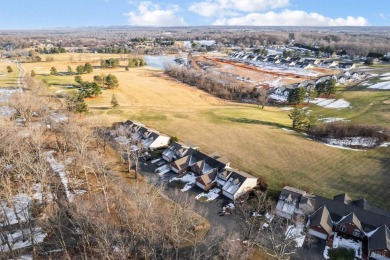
<point x="30" y="14"/>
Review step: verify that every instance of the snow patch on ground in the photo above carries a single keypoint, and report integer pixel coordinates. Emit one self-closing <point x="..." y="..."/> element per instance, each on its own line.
<point x="331" y="103"/>
<point x="163" y="170"/>
<point x="16" y="241"/>
<point x="156" y="160"/>
<point x="189" y="179"/>
<point x="286" y="108"/>
<point x="59" y="118"/>
<point x="6" y="93"/>
<point x="325" y="254"/>
<point x="385" y="78"/>
<point x="385" y="144"/>
<point x="211" y="195"/>
<point x="345" y="148"/>
<point x="288" y="130"/>
<point x="228" y="208"/>
<point x="348" y="243"/>
<point x="332" y="119"/>
<point x="279" y="98"/>
<point x="7" y="111"/>
<point x="59" y="168"/>
<point x="9" y="214"/>
<point x="296" y="233"/>
<point x="352" y="141"/>
<point x="381" y="85"/>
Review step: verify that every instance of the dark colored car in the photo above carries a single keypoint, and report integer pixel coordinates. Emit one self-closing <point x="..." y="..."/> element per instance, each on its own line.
<point x="146" y="158"/>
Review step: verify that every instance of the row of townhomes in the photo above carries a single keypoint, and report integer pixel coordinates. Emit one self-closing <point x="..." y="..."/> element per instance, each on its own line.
<point x="298" y="62"/>
<point x="341" y="221"/>
<point x="212" y="170"/>
<point x="137" y="133"/>
<point x="341" y="78"/>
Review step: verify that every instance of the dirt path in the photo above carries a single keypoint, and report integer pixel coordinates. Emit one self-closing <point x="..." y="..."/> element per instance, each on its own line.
<point x="21" y="74"/>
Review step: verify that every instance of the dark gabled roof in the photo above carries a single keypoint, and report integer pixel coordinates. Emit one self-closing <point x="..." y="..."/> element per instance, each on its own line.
<point x="339" y="209"/>
<point x="364" y="204"/>
<point x="175" y="146"/>
<point x="306" y="201"/>
<point x="322" y="218"/>
<point x="142" y="129"/>
<point x="225" y="173"/>
<point x="240" y="175"/>
<point x="344" y="198"/>
<point x="350" y="218"/>
<point x="294" y="193"/>
<point x="208" y="178"/>
<point x="380" y="239"/>
<point x="153" y="135"/>
<point x="128" y="123"/>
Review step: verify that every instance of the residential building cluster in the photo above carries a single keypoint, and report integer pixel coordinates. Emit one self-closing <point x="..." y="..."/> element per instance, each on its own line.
<point x="340" y="218"/>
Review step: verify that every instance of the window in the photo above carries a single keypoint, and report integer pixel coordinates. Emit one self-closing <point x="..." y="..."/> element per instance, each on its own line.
<point x="356" y="233"/>
<point x="342" y="228"/>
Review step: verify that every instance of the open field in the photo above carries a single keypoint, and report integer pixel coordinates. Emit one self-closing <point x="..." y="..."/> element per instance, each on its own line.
<point x="253" y="139"/>
<point x="8" y="80"/>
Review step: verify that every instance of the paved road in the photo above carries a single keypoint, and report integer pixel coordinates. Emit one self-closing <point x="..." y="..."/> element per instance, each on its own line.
<point x="210" y="210"/>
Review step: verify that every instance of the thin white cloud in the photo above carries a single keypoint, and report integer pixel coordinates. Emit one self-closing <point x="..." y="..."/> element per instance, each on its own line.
<point x="291" y="18"/>
<point x="150" y="14"/>
<point x="383" y="16"/>
<point x="214" y="8"/>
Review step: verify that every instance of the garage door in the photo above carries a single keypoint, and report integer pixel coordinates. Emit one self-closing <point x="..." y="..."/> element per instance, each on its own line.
<point x="317" y="234"/>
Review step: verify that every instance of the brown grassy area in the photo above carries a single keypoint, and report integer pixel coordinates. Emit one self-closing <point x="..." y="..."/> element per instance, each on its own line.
<point x="252" y="138"/>
<point x="8" y="80"/>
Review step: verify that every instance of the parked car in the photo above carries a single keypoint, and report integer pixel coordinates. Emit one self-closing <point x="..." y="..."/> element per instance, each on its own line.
<point x="146" y="158"/>
<point x="161" y="163"/>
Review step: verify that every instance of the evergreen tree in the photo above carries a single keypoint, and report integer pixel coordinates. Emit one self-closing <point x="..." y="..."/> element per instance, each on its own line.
<point x="99" y="79"/>
<point x="80" y="69"/>
<point x="298" y="117"/>
<point x="88" y="68"/>
<point x="70" y="70"/>
<point x="114" y="102"/>
<point x="33" y="74"/>
<point x="332" y="87"/>
<point x="53" y="71"/>
<point x="111" y="81"/>
<point x="78" y="79"/>
<point x="297" y="96"/>
<point x="9" y="69"/>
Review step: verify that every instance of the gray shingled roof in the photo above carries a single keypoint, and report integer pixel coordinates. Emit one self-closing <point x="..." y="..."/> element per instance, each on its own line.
<point x="380" y="239"/>
<point x="339" y="209"/>
<point x="351" y="218"/>
<point x="322" y="218"/>
<point x="344" y="198"/>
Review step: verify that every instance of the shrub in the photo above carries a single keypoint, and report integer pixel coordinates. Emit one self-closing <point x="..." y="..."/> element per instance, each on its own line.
<point x="341" y="254"/>
<point x="341" y="130"/>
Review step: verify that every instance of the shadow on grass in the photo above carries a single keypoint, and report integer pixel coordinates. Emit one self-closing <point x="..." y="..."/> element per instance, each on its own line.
<point x="255" y="122"/>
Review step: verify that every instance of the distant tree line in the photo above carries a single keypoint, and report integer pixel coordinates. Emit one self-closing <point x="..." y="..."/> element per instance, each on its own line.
<point x="220" y="85"/>
<point x="52" y="50"/>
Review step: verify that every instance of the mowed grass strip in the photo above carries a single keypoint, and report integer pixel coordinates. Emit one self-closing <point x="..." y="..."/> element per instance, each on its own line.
<point x="256" y="140"/>
<point x="8" y="80"/>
